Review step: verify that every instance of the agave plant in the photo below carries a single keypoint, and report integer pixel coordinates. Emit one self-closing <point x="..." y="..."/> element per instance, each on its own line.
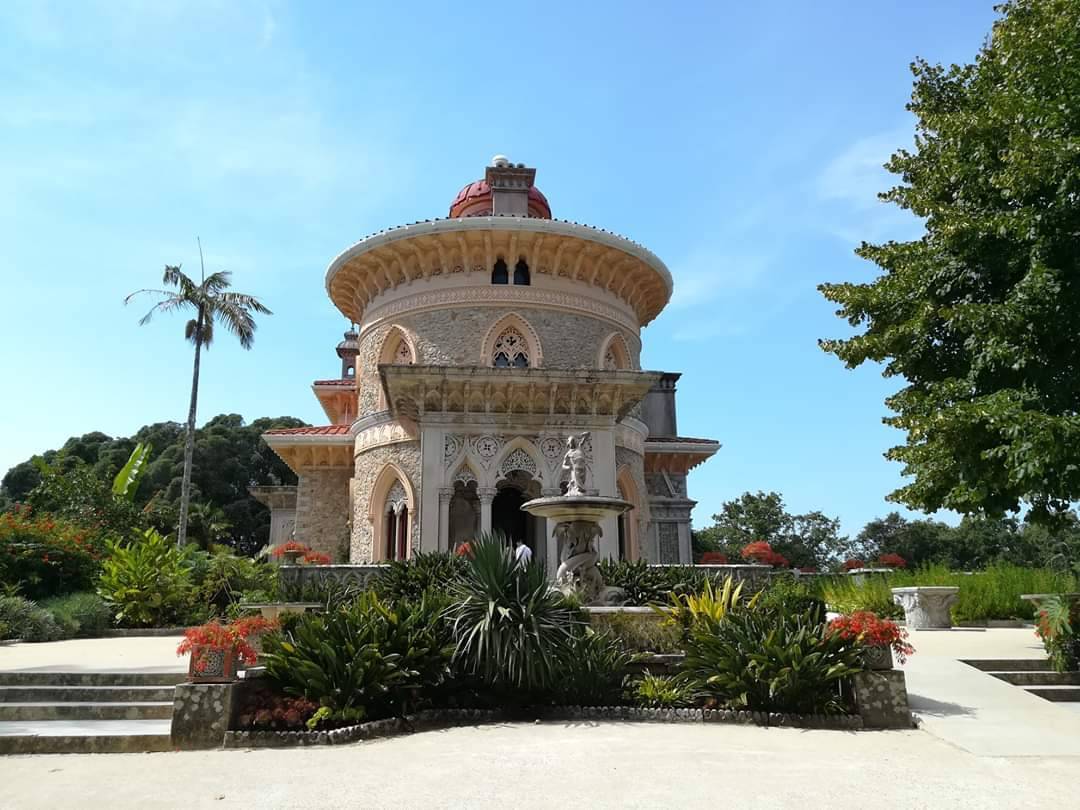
<point x="509" y="625"/>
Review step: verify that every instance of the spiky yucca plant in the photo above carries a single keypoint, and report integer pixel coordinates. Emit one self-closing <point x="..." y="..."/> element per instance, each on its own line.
<point x="510" y="626"/>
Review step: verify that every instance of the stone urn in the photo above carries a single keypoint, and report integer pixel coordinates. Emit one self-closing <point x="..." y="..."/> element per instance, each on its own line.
<point x="878" y="657"/>
<point x="292" y="556"/>
<point x="926" y="607"/>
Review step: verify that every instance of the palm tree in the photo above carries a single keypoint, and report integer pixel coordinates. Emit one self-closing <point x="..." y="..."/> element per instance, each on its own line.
<point x="211" y="301"/>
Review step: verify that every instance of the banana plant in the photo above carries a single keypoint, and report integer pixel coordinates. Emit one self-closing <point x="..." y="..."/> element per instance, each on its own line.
<point x="127" y="480"/>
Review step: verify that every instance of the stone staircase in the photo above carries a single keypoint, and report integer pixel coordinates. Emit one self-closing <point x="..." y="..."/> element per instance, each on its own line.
<point x="85" y="712"/>
<point x="1034" y="675"/>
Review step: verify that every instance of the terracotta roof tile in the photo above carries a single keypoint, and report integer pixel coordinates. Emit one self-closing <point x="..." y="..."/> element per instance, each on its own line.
<point x="319" y="430"/>
<point x="349" y="381"/>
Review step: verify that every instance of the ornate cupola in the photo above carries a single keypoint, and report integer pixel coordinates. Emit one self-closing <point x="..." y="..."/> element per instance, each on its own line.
<point x="347" y="350"/>
<point x="507" y="190"/>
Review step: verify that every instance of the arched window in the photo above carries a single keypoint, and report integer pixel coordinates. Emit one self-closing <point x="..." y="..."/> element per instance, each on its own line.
<point x="521" y="273"/>
<point x="396" y="523"/>
<point x="500" y="275"/>
<point x="511" y="350"/>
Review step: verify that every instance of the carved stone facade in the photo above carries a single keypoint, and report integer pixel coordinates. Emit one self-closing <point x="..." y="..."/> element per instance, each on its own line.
<point x="483" y="342"/>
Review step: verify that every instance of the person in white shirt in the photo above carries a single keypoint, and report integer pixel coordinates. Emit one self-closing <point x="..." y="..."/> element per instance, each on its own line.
<point x="522" y="553"/>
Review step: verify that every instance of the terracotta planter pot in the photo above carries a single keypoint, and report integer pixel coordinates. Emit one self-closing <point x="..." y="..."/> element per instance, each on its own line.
<point x="878" y="657"/>
<point x="291" y="557"/>
<point x="210" y="664"/>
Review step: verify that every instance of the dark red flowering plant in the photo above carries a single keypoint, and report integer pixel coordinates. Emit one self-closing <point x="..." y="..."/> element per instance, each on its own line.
<point x="292" y="547"/>
<point x="316" y="558"/>
<point x="852" y="564"/>
<point x="871" y="630"/>
<point x="892" y="561"/>
<point x="713" y="558"/>
<point x="761" y="552"/>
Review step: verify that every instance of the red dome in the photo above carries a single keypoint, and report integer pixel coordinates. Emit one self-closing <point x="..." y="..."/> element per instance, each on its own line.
<point x="475" y="201"/>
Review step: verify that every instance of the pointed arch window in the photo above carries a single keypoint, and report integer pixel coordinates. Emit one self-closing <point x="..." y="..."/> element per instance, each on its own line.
<point x="521" y="273"/>
<point x="511" y="350"/>
<point x="499" y="273"/>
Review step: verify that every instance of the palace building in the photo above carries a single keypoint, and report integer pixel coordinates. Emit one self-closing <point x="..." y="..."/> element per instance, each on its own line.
<point x="482" y="341"/>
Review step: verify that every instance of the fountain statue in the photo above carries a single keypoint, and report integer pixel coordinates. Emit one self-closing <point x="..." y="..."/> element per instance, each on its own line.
<point x="577" y="517"/>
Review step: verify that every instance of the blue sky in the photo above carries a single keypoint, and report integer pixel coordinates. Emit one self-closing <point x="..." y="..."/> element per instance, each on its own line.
<point x="741" y="142"/>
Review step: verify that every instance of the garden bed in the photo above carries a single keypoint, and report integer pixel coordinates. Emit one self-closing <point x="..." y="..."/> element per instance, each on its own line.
<point x="449" y="718"/>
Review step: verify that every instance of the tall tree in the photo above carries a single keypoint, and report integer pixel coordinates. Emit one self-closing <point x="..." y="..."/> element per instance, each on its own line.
<point x="981" y="315"/>
<point x="211" y="301"/>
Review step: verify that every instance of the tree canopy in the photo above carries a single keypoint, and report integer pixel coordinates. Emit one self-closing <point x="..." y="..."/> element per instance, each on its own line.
<point x="229" y="456"/>
<point x="981" y="315"/>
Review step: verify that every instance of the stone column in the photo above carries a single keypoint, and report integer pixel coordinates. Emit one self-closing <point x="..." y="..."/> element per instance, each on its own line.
<point x="551" y="558"/>
<point x="446" y="494"/>
<point x="603" y="472"/>
<point x="486" y="495"/>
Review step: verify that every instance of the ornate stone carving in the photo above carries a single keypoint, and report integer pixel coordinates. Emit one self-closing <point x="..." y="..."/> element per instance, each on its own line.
<point x="518" y="459"/>
<point x="464" y="474"/>
<point x="668" y="534"/>
<point x="386" y="433"/>
<point x="926" y="607"/>
<point x="486" y="447"/>
<point x="552" y="448"/>
<point x="511" y="350"/>
<point x="452" y="443"/>
<point x="396" y="498"/>
<point x="577" y="569"/>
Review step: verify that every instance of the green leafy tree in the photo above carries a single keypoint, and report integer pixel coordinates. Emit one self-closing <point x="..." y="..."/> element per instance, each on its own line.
<point x="812" y="539"/>
<point x="212" y="302"/>
<point x="981" y="315"/>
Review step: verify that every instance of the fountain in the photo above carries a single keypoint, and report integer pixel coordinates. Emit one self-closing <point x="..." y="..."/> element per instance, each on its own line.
<point x="577" y="517"/>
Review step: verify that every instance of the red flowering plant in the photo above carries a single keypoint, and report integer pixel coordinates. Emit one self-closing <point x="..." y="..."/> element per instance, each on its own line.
<point x="871" y="630"/>
<point x="892" y="561"/>
<point x="45" y="555"/>
<point x="239" y="636"/>
<point x="263" y="708"/>
<point x="316" y="558"/>
<point x="713" y="558"/>
<point x="761" y="552"/>
<point x="292" y="547"/>
<point x="852" y="564"/>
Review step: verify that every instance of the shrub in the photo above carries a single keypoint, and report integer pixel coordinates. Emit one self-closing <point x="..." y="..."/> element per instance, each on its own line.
<point x="789" y="595"/>
<point x="261" y="708"/>
<point x="222" y="578"/>
<point x="316" y="558"/>
<point x="761" y="552"/>
<point x="650" y="585"/>
<point x="776" y="662"/>
<point x="509" y="624"/>
<point x="22" y="619"/>
<point x="662" y="691"/>
<point x="713" y="558"/>
<point x="364" y="660"/>
<point x="426" y="571"/>
<point x="292" y="545"/>
<point x="704" y="610"/>
<point x="239" y="636"/>
<point x="592" y="670"/>
<point x="852" y="564"/>
<point x="147" y="581"/>
<point x="874" y="595"/>
<point x="639" y="633"/>
<point x="892" y="561"/>
<point x="45" y="556"/>
<point x="82" y="615"/>
<point x="1058" y="627"/>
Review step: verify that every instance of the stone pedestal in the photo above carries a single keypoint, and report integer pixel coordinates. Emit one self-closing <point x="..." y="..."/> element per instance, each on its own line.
<point x="881" y="699"/>
<point x="926" y="607"/>
<point x="201" y="714"/>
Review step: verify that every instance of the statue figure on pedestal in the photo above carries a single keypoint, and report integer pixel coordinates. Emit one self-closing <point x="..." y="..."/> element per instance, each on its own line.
<point x="575" y="462"/>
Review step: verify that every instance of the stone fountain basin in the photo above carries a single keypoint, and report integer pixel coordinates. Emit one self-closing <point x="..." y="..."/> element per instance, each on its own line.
<point x="563" y="508"/>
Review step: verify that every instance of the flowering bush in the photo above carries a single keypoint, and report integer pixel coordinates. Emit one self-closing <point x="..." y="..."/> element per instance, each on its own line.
<point x="237" y="636"/>
<point x="714" y="558"/>
<point x="316" y="558"/>
<point x="762" y="552"/>
<point x="291" y="546"/>
<point x="892" y="561"/>
<point x="1057" y="625"/>
<point x="46" y="556"/>
<point x="851" y="564"/>
<point x="263" y="708"/>
<point x="871" y="630"/>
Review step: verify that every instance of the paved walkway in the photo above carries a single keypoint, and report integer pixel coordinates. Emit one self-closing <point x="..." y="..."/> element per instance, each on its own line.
<point x="566" y="765"/>
<point x="978" y="712"/>
<point x="132" y="653"/>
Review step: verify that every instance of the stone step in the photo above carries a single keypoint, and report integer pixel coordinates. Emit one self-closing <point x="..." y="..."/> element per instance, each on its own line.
<point x="56" y="678"/>
<point x="87" y="737"/>
<point x="145" y="710"/>
<point x="1011" y="664"/>
<point x="84" y="694"/>
<point x="1039" y="678"/>
<point x="1055" y="693"/>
